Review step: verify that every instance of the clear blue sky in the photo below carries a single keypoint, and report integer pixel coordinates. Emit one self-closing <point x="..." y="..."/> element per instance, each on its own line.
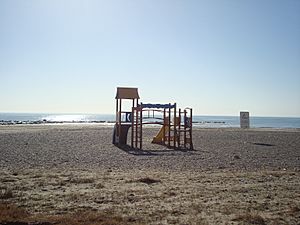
<point x="218" y="57"/>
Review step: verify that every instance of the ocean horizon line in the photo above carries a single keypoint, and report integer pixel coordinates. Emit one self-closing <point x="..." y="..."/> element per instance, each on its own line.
<point x="198" y="120"/>
<point x="110" y="114"/>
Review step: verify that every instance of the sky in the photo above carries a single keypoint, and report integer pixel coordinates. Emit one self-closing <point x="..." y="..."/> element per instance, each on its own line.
<point x="219" y="57"/>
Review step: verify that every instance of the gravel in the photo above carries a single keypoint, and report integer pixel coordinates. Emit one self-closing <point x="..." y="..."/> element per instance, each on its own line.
<point x="89" y="146"/>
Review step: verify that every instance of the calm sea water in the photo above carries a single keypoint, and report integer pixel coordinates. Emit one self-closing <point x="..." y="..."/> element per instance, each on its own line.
<point x="200" y="121"/>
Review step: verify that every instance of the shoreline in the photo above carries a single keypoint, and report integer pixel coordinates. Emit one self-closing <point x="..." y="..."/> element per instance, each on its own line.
<point x="147" y="126"/>
<point x="198" y="121"/>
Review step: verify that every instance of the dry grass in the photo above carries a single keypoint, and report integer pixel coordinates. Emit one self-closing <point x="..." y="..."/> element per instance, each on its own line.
<point x="295" y="209"/>
<point x="250" y="218"/>
<point x="6" y="193"/>
<point x="155" y="197"/>
<point x="148" y="180"/>
<point x="12" y="215"/>
<point x="82" y="180"/>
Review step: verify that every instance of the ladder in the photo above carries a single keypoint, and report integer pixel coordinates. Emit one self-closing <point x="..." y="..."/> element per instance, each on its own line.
<point x="185" y="138"/>
<point x="136" y="126"/>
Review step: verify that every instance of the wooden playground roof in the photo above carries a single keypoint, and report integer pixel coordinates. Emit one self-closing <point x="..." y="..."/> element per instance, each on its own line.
<point x="127" y="93"/>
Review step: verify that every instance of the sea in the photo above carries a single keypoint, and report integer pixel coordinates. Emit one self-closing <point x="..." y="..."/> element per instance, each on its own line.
<point x="109" y="119"/>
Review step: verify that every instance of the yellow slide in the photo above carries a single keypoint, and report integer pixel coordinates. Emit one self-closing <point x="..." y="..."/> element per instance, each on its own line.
<point x="158" y="139"/>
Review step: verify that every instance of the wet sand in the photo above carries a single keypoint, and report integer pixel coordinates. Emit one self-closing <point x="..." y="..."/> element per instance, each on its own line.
<point x="233" y="176"/>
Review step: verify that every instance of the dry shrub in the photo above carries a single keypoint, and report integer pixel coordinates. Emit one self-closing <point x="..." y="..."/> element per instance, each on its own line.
<point x="89" y="218"/>
<point x="250" y="218"/>
<point x="148" y="180"/>
<point x="6" y="194"/>
<point x="294" y="210"/>
<point x="82" y="180"/>
<point x="12" y="215"/>
<point x="99" y="186"/>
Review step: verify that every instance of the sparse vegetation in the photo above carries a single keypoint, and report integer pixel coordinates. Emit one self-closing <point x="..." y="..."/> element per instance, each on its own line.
<point x="153" y="197"/>
<point x="11" y="214"/>
<point x="250" y="218"/>
<point x="294" y="210"/>
<point x="68" y="176"/>
<point x="148" y="180"/>
<point x="82" y="180"/>
<point x="99" y="186"/>
<point x="6" y="193"/>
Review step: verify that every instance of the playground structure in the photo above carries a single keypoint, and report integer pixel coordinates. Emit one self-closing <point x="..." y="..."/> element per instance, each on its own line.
<point x="176" y="126"/>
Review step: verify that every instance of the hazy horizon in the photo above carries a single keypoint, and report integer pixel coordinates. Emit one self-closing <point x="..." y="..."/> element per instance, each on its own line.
<point x="218" y="57"/>
<point x="113" y="113"/>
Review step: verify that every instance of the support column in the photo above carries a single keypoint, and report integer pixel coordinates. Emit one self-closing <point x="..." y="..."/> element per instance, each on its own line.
<point x="179" y="127"/>
<point x="141" y="128"/>
<point x="132" y="125"/>
<point x="191" y="128"/>
<point x="120" y="119"/>
<point x="164" y="127"/>
<point x="136" y="126"/>
<point x="175" y="128"/>
<point x="169" y="126"/>
<point x="185" y="125"/>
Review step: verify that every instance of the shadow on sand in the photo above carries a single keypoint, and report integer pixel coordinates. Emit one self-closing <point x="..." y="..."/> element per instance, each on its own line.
<point x="166" y="152"/>
<point x="263" y="144"/>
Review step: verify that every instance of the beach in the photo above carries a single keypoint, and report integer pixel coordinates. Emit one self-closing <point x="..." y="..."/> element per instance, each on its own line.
<point x="233" y="176"/>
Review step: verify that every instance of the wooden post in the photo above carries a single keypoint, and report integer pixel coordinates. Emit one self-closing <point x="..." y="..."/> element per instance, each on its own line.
<point x="185" y="120"/>
<point x="120" y="119"/>
<point x="179" y="127"/>
<point x="136" y="126"/>
<point x="175" y="128"/>
<point x="132" y="125"/>
<point x="117" y="117"/>
<point x="117" y="109"/>
<point x="191" y="128"/>
<point x="134" y="104"/>
<point x="169" y="126"/>
<point x="164" y="127"/>
<point x="141" y="128"/>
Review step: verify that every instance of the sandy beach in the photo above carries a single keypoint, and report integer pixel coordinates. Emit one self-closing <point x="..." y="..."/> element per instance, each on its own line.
<point x="233" y="176"/>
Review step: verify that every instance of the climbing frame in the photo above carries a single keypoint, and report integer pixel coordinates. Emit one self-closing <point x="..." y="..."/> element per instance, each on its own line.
<point x="176" y="130"/>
